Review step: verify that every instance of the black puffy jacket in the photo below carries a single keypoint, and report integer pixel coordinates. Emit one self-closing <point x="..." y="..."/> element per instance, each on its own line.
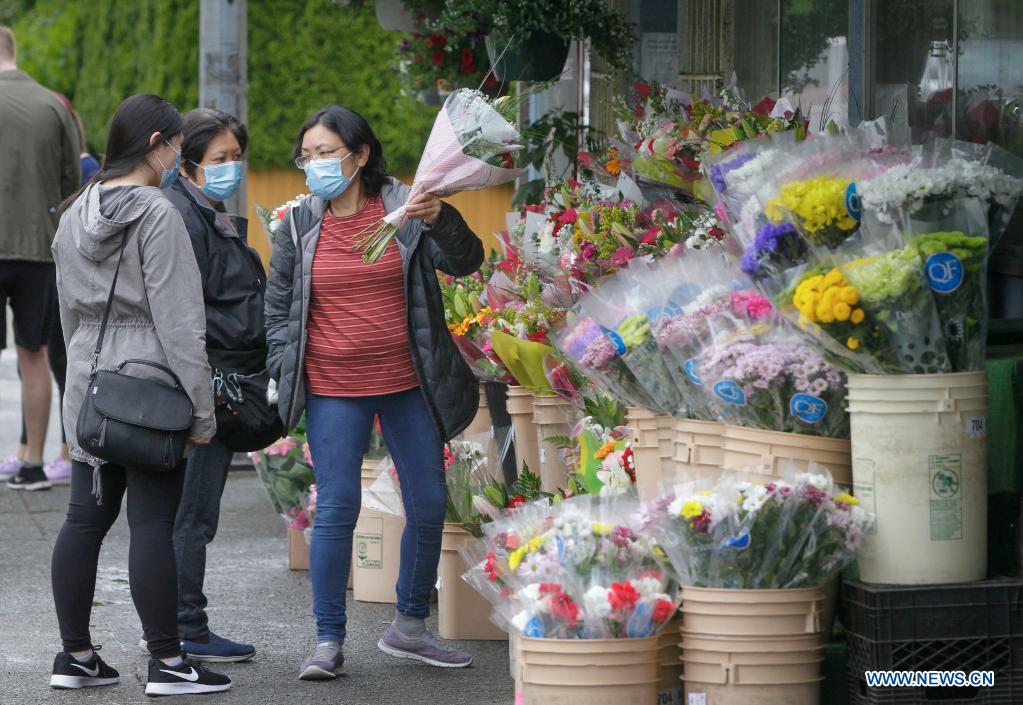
<point x="448" y="385"/>
<point x="233" y="281"/>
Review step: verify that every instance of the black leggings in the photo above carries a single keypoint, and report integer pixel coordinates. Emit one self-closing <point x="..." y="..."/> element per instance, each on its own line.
<point x="153" y="500"/>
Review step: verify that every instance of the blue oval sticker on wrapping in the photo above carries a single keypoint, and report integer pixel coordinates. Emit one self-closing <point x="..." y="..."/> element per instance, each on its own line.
<point x="692" y="368"/>
<point x="668" y="310"/>
<point x="808" y="408"/>
<point x="616" y="341"/>
<point x="739" y="542"/>
<point x="853" y="204"/>
<point x="730" y="392"/>
<point x="944" y="272"/>
<point x="534" y="629"/>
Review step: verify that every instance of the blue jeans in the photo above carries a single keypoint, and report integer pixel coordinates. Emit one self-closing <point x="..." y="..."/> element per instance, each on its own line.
<point x="338" y="432"/>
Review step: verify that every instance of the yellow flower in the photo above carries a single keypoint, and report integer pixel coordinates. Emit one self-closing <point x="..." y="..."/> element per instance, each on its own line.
<point x="692" y="509"/>
<point x="852" y="343"/>
<point x="846" y="498"/>
<point x="601" y="529"/>
<point x="613" y="167"/>
<point x="809" y="312"/>
<point x="605" y="450"/>
<point x="815" y="282"/>
<point x="515" y="558"/>
<point x="834" y="278"/>
<point x="849" y="295"/>
<point x="857" y="316"/>
<point x="825" y="314"/>
<point x="774" y="211"/>
<point x="536" y="543"/>
<point x="842" y="311"/>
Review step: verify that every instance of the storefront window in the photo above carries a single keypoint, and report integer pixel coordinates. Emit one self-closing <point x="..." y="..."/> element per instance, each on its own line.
<point x="814" y="58"/>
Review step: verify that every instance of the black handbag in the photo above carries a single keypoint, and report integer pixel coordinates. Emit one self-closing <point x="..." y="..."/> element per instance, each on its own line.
<point x="246" y="421"/>
<point x="129" y="421"/>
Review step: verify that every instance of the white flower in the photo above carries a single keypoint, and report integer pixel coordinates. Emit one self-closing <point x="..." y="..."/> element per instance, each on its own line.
<point x="648" y="587"/>
<point x="755" y="499"/>
<point x="529" y="598"/>
<point x="519" y="621"/>
<point x="819" y="481"/>
<point x="596" y="603"/>
<point x="548" y="243"/>
<point x="675" y="508"/>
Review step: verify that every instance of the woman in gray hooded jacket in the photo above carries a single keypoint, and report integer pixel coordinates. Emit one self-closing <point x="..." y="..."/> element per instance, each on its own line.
<point x="156" y="315"/>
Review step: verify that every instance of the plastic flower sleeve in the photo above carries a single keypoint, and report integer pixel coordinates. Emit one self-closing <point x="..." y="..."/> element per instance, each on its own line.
<point x="583" y="342"/>
<point x="954" y="251"/>
<point x="617" y="306"/>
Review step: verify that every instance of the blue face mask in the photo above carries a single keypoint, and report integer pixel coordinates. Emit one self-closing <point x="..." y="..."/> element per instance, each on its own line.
<point x="325" y="179"/>
<point x="222" y="180"/>
<point x="168" y="176"/>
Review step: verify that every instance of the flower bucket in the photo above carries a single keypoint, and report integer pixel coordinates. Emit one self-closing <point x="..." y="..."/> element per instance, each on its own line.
<point x="540" y="57"/>
<point x="768" y="452"/>
<point x="722" y="612"/>
<point x="646" y="451"/>
<point x="919" y="449"/>
<point x="520" y="408"/>
<point x="482" y="423"/>
<point x="669" y="658"/>
<point x="376" y="549"/>
<point x="552" y="416"/>
<point x="666" y="444"/>
<point x="698" y="448"/>
<point x="462" y="612"/>
<point x="589" y="671"/>
<point x="298" y="550"/>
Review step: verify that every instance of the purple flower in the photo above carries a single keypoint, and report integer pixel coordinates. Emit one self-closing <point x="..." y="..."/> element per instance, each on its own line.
<point x="769" y="240"/>
<point x="588" y="251"/>
<point x="718" y="171"/>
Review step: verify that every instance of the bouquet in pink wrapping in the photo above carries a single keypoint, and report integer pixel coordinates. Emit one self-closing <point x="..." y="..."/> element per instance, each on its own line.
<point x="472" y="146"/>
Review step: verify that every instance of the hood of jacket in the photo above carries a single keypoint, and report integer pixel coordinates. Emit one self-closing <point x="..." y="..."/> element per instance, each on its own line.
<point x="104" y="212"/>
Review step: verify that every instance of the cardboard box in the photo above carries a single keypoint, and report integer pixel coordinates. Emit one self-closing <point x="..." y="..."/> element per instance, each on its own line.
<point x="298" y="550"/>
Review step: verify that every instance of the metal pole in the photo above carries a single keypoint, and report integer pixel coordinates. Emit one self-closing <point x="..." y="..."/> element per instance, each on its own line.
<point x="223" y="68"/>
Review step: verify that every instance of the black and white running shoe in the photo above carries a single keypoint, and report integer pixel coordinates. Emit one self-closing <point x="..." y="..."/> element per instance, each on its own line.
<point x="186" y="679"/>
<point x="31" y="478"/>
<point x="69" y="672"/>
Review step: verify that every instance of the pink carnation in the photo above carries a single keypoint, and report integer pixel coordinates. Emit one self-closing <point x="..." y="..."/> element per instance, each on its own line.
<point x="621" y="257"/>
<point x="569" y="216"/>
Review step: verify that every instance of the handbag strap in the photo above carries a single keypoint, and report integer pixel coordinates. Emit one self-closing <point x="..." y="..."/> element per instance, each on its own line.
<point x="110" y="303"/>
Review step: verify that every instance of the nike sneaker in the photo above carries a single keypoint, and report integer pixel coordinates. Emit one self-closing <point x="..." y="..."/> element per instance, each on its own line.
<point x="69" y="672"/>
<point x="186" y="679"/>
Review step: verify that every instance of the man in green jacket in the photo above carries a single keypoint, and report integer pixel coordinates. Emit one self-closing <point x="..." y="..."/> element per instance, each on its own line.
<point x="39" y="168"/>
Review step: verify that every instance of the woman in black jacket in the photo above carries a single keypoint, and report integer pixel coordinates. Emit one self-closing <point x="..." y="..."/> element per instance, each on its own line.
<point x="233" y="280"/>
<point x="348" y="341"/>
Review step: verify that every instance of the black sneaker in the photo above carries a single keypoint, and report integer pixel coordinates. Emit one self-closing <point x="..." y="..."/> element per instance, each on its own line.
<point x="69" y="672"/>
<point x="188" y="678"/>
<point x="31" y="478"/>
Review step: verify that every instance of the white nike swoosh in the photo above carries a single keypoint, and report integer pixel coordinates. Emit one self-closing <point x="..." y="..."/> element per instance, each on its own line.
<point x="190" y="676"/>
<point x="94" y="672"/>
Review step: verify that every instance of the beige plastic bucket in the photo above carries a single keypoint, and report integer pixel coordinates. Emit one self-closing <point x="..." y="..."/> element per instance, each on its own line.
<point x="589" y="671"/>
<point x="669" y="650"/>
<point x="752" y="613"/>
<point x="646" y="453"/>
<point x="515" y="663"/>
<point x="698" y="449"/>
<point x="376" y="549"/>
<point x="919" y="449"/>
<point x="552" y="416"/>
<point x="481" y="424"/>
<point x="666" y="444"/>
<point x="462" y="612"/>
<point x="520" y="408"/>
<point x="768" y="452"/>
<point x="766" y="670"/>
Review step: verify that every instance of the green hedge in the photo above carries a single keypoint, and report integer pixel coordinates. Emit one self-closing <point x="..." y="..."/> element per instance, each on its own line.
<point x="303" y="55"/>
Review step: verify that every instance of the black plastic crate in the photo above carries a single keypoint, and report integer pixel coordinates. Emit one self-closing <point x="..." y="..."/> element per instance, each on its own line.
<point x="1004" y="656"/>
<point x="887" y="613"/>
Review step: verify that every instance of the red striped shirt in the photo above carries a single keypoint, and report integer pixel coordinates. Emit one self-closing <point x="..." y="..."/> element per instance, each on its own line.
<point x="358" y="343"/>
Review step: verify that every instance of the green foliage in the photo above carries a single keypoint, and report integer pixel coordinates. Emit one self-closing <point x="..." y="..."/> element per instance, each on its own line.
<point x="303" y="55"/>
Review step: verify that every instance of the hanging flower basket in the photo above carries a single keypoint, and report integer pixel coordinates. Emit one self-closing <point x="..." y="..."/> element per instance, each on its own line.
<point x="540" y="57"/>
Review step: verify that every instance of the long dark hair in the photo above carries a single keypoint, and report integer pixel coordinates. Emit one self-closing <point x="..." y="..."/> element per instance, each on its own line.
<point x="356" y="133"/>
<point x="133" y="122"/>
<point x="200" y="127"/>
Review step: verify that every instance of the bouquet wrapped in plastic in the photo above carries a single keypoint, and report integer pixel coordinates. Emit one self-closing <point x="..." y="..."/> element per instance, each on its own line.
<point x="766" y="377"/>
<point x="286" y="470"/>
<point x="472" y="146"/>
<point x="581" y="569"/>
<point x="749" y="535"/>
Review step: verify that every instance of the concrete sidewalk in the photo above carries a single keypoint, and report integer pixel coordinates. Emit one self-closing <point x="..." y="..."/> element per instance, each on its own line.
<point x="253" y="596"/>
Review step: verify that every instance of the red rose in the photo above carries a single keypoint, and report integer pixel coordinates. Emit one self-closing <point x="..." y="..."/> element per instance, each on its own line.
<point x="549" y="588"/>
<point x="438" y="58"/>
<point x="569" y="216"/>
<point x="663" y="610"/>
<point x="692" y="163"/>
<point x="764" y="107"/>
<point x="564" y="610"/>
<point x="643" y="90"/>
<point x="516" y="501"/>
<point x="468" y="61"/>
<point x="623" y="596"/>
<point x="491" y="566"/>
<point x="539" y="337"/>
<point x="491" y="81"/>
<point x="629" y="461"/>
